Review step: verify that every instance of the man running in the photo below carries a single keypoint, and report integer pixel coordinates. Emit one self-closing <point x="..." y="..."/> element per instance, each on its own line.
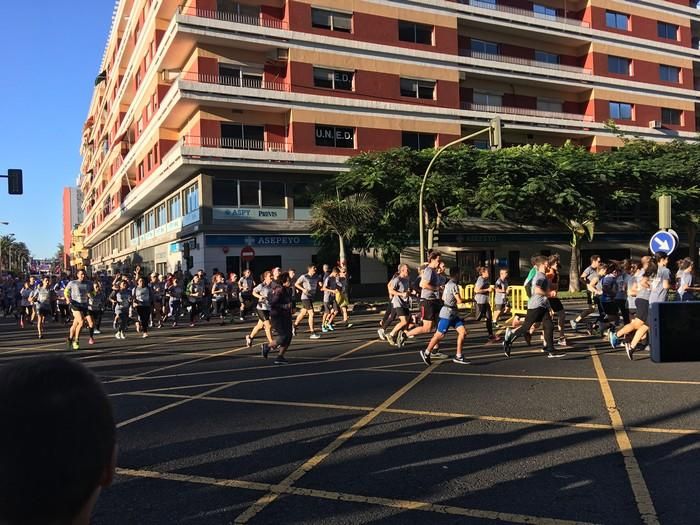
<point x="307" y="285"/>
<point x="430" y="299"/>
<point x="42" y="298"/>
<point x="400" y="291"/>
<point x="586" y="276"/>
<point x="330" y="306"/>
<point x="77" y="294"/>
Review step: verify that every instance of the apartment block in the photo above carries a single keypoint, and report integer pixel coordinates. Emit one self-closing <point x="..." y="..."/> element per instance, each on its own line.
<point x="212" y="121"/>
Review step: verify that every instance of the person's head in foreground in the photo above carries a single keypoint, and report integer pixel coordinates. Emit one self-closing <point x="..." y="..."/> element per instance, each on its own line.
<point x="57" y="446"/>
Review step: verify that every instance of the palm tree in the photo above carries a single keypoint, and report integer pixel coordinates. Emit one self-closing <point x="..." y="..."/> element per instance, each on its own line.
<point x="579" y="231"/>
<point x="345" y="218"/>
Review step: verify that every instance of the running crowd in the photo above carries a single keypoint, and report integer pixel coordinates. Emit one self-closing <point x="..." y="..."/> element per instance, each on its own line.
<point x="619" y="295"/>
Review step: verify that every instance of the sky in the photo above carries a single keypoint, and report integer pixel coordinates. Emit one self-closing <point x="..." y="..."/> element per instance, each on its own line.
<point x="51" y="54"/>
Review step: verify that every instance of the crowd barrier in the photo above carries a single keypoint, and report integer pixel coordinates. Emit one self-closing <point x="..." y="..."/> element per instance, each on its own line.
<point x="517" y="297"/>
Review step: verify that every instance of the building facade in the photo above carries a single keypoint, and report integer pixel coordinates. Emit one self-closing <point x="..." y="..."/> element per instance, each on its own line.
<point x="212" y="121"/>
<point x="72" y="218"/>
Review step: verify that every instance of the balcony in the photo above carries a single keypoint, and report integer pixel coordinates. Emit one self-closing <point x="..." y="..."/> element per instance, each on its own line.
<point x="526" y="112"/>
<point x="236" y="143"/>
<point x="493" y="6"/>
<point x="523" y="62"/>
<point x="223" y="80"/>
<point x="227" y="16"/>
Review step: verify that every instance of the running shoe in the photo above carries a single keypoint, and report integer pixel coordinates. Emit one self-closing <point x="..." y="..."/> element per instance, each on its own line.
<point x="613" y="339"/>
<point x="438" y="355"/>
<point x="349" y="325"/>
<point x="460" y="360"/>
<point x="241" y="319"/>
<point x="555" y="353"/>
<point x="91" y="341"/>
<point x="191" y="325"/>
<point x="97" y="332"/>
<point x="401" y="339"/>
<point x="315" y="336"/>
<point x="265" y="349"/>
<point x="123" y="335"/>
<point x="76" y="345"/>
<point x="281" y="360"/>
<point x="21" y="323"/>
<point x="69" y="343"/>
<point x="117" y="335"/>
<point x="330" y="327"/>
<point x="382" y="334"/>
<point x="248" y="341"/>
<point x="294" y="330"/>
<point x="562" y="342"/>
<point x="324" y="329"/>
<point x="647" y="348"/>
<point x="174" y="325"/>
<point x="506" y="347"/>
<point x="41" y="336"/>
<point x="574" y="325"/>
<point x="425" y="356"/>
<point x="145" y="335"/>
<point x="629" y="351"/>
<point x="390" y="339"/>
<point x="493" y="339"/>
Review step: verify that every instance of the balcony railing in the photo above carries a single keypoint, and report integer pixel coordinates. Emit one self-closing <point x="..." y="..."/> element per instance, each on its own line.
<point x="523" y="61"/>
<point x="526" y="112"/>
<point x="235" y="143"/>
<point x="227" y="16"/>
<point x="523" y="12"/>
<point x="225" y="80"/>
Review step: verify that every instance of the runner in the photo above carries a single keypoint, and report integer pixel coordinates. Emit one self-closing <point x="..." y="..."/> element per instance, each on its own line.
<point x="482" y="296"/>
<point x="195" y="296"/>
<point x="307" y="285"/>
<point x="400" y="291"/>
<point x="96" y="306"/>
<point x="218" y="297"/>
<point x="280" y="301"/>
<point x="641" y="289"/>
<point x="554" y="302"/>
<point x="624" y="281"/>
<point x="502" y="306"/>
<point x="261" y="293"/>
<point x="389" y="312"/>
<point x="330" y="306"/>
<point x="430" y="299"/>
<point x="25" y="314"/>
<point x="448" y="318"/>
<point x="174" y="293"/>
<point x="537" y="312"/>
<point x="246" y="285"/>
<point x="41" y="298"/>
<point x="77" y="294"/>
<point x="685" y="286"/>
<point x="143" y="303"/>
<point x="589" y="273"/>
<point x="342" y="296"/>
<point x="233" y="294"/>
<point x="157" y="288"/>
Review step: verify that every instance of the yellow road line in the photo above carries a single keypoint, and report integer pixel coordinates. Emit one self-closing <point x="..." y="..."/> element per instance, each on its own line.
<point x="349" y="352"/>
<point x="320" y="456"/>
<point x="399" y="504"/>
<point x="639" y="487"/>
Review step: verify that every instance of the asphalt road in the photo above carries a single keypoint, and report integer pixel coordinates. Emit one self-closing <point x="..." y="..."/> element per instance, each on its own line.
<point x="354" y="431"/>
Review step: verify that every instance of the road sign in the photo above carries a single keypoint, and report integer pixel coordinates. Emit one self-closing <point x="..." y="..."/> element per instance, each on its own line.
<point x="247" y="254"/>
<point x="663" y="241"/>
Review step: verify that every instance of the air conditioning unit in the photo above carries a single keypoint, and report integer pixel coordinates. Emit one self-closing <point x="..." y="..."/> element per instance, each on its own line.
<point x="655" y="124"/>
<point x="168" y="75"/>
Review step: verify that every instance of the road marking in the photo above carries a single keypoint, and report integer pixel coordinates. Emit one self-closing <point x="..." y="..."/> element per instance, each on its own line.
<point x="639" y="487"/>
<point x="349" y="352"/>
<point x="400" y="504"/>
<point x="320" y="456"/>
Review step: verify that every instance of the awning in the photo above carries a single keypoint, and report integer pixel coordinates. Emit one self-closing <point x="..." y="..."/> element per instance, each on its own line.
<point x="101" y="77"/>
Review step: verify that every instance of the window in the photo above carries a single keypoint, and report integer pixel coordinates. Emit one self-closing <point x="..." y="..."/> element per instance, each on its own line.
<point x="671" y="116"/>
<point x="619" y="65"/>
<point x="240" y="136"/>
<point x="544" y="56"/>
<point x="620" y="111"/>
<point x="333" y="79"/>
<point x="543" y="11"/>
<point x="141" y="174"/>
<point x="418" y="88"/>
<point x="617" y="20"/>
<point x="273" y="194"/>
<point x="417" y="140"/>
<point x="150" y="221"/>
<point x="481" y="46"/>
<point x="231" y="75"/>
<point x="484" y="4"/>
<point x="331" y="20"/>
<point x="174" y="208"/>
<point x="149" y="163"/>
<point x="249" y="191"/>
<point x="415" y="33"/>
<point x="335" y="136"/>
<point x="191" y="199"/>
<point x="161" y="216"/>
<point x="670" y="74"/>
<point x="666" y="30"/>
<point x="550" y="104"/>
<point x="225" y="192"/>
<point x="485" y="98"/>
<point x="139" y="126"/>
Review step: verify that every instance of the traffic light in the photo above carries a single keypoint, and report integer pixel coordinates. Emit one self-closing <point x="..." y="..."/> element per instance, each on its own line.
<point x="495" y="139"/>
<point x="433" y="238"/>
<point x="14" y="182"/>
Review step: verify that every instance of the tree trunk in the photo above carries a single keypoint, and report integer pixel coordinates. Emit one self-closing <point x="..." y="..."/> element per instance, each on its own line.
<point x="574" y="270"/>
<point x="341" y="251"/>
<point x="693" y="242"/>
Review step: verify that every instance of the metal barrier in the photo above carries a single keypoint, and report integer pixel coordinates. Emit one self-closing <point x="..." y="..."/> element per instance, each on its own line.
<point x="517" y="297"/>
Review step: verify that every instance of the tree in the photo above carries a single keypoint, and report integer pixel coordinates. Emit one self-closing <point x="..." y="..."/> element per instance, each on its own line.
<point x="344" y="218"/>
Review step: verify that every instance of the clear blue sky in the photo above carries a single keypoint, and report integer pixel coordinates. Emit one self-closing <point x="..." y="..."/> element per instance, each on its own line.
<point x="51" y="55"/>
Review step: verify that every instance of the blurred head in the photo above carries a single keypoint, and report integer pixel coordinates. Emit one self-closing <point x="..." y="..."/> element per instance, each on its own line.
<point x="434" y="260"/>
<point x="661" y="258"/>
<point x="312" y="269"/>
<point x="403" y="271"/>
<point x="595" y="261"/>
<point x="503" y="273"/>
<point x="141" y="282"/>
<point x="81" y="275"/>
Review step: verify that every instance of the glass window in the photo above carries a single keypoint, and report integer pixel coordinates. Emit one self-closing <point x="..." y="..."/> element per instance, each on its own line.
<point x="619" y="65"/>
<point x="249" y="193"/>
<point x="666" y="30"/>
<point x="543" y="11"/>
<point x="332" y="20"/>
<point x="481" y="46"/>
<point x="414" y="140"/>
<point x="229" y="75"/>
<point x="240" y="136"/>
<point x="174" y="208"/>
<point x="620" y="111"/>
<point x="225" y="192"/>
<point x="670" y="73"/>
<point x="550" y="104"/>
<point x="485" y="98"/>
<point x="671" y="116"/>
<point x="544" y="56"/>
<point x="335" y="136"/>
<point x="273" y="194"/>
<point x="161" y="216"/>
<point x="417" y="88"/>
<point x="617" y="20"/>
<point x="415" y="33"/>
<point x="303" y="195"/>
<point x="191" y="199"/>
<point x="150" y="222"/>
<point x="333" y="79"/>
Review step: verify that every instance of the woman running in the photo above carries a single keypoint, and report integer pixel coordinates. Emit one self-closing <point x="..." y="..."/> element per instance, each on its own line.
<point x="482" y="296"/>
<point x="641" y="289"/>
<point x="280" y="300"/>
<point x="555" y="303"/>
<point x="195" y="296"/>
<point x="157" y="288"/>
<point x="174" y="293"/>
<point x="218" y="297"/>
<point x="307" y="285"/>
<point x="96" y="307"/>
<point x="685" y="286"/>
<point x="502" y="306"/>
<point x="42" y="298"/>
<point x="25" y="315"/>
<point x="233" y="295"/>
<point x="77" y="294"/>
<point x="246" y="285"/>
<point x="261" y="293"/>
<point x="143" y="303"/>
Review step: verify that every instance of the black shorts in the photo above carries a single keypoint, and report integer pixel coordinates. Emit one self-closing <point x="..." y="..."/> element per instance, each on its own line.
<point x="642" y="306"/>
<point x="589" y="298"/>
<point x="401" y="311"/>
<point x="555" y="304"/>
<point x="93" y="313"/>
<point x="430" y="309"/>
<point x="331" y="306"/>
<point x="263" y="315"/>
<point x="44" y="310"/>
<point x="610" y="308"/>
<point x="77" y="307"/>
<point x="307" y="304"/>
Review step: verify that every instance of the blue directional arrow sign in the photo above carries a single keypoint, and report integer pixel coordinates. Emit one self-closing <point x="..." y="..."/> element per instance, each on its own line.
<point x="663" y="241"/>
